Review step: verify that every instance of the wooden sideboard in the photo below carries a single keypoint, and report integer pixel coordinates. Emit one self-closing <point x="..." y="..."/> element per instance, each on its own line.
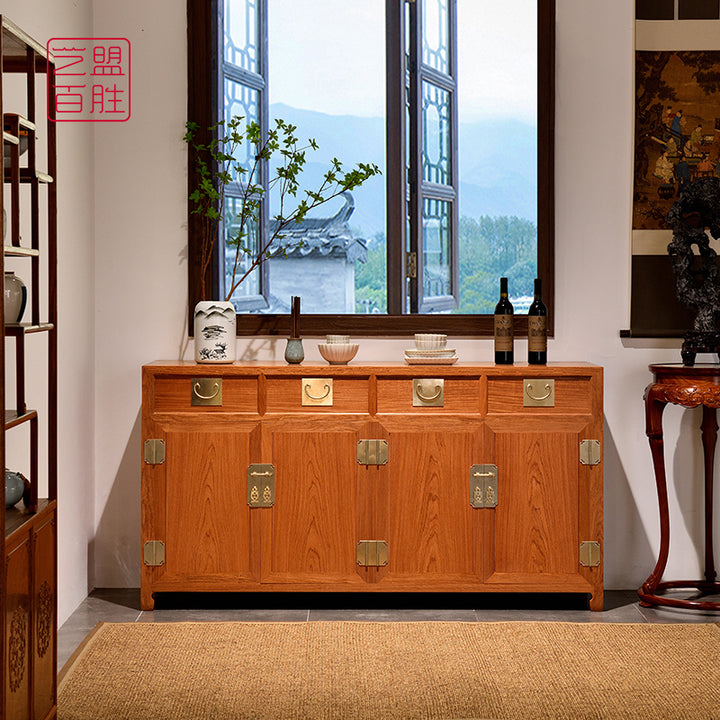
<point x="372" y="478"/>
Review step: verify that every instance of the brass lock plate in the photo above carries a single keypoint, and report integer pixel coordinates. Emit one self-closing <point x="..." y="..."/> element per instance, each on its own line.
<point x="539" y="392"/>
<point x="428" y="392"/>
<point x="590" y="553"/>
<point x="317" y="392"/>
<point x="484" y="486"/>
<point x="372" y="452"/>
<point x="206" y="391"/>
<point x="260" y="485"/>
<point x="372" y="553"/>
<point x="154" y="451"/>
<point x="590" y="452"/>
<point x="154" y="553"/>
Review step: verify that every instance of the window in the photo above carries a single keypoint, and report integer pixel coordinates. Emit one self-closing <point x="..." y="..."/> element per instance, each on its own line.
<point x="403" y="252"/>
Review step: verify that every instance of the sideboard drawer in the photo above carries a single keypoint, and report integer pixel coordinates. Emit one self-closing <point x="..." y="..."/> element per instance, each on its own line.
<point x="453" y="394"/>
<point x="317" y="393"/>
<point x="206" y="394"/>
<point x="537" y="393"/>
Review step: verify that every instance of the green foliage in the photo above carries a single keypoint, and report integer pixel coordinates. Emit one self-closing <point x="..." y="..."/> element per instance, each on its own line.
<point x="490" y="248"/>
<point x="217" y="167"/>
<point x="370" y="278"/>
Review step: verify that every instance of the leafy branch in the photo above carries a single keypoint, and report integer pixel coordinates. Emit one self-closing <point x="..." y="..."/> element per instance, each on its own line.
<point x="217" y="167"/>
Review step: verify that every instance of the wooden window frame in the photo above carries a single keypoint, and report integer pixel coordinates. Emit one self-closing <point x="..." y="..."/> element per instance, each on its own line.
<point x="204" y="54"/>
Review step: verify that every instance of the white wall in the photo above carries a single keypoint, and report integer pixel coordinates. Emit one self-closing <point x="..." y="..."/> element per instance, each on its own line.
<point x="140" y="217"/>
<point x="140" y="294"/>
<point x="76" y="290"/>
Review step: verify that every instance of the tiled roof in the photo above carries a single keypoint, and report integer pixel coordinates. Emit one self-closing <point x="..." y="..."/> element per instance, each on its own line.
<point x="322" y="236"/>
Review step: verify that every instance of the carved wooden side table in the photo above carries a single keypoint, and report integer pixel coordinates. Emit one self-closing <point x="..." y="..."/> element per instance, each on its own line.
<point x="688" y="386"/>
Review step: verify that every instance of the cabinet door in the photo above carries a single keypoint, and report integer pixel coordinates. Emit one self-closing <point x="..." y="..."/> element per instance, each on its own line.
<point x="195" y="502"/>
<point x="310" y="534"/>
<point x="433" y="533"/>
<point x="17" y="630"/>
<point x="44" y="622"/>
<point x="533" y="535"/>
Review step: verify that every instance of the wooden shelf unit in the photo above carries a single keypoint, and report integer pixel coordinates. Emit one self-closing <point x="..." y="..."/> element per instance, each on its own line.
<point x="28" y="594"/>
<point x="378" y="478"/>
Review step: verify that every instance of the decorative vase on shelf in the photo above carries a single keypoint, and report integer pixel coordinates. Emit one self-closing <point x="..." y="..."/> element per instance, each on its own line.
<point x="294" y="353"/>
<point x="15" y="297"/>
<point x="14" y="488"/>
<point x="215" y="326"/>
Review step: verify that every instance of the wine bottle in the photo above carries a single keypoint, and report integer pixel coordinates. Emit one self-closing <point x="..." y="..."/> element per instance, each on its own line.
<point x="504" y="327"/>
<point x="537" y="328"/>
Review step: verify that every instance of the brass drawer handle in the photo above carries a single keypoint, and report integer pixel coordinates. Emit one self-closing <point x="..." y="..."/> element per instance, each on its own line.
<point x="196" y="390"/>
<point x="317" y="397"/>
<point x="429" y="398"/>
<point x="484" y="474"/>
<point x="267" y="473"/>
<point x="422" y="399"/>
<point x="538" y="397"/>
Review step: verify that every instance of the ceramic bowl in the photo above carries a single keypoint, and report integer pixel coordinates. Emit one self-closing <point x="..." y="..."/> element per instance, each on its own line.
<point x="337" y="339"/>
<point x="430" y="341"/>
<point x="338" y="353"/>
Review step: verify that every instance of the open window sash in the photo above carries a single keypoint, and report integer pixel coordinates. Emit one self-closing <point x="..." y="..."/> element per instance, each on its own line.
<point x="243" y="86"/>
<point x="432" y="168"/>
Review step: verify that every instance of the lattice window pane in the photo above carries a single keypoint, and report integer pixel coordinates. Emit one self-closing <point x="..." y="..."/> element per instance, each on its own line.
<point x="243" y="101"/>
<point x="436" y="134"/>
<point x="435" y="43"/>
<point x="249" y="249"/>
<point x="436" y="248"/>
<point x="241" y="34"/>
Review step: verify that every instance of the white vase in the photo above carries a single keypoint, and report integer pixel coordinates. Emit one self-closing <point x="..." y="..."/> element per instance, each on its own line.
<point x="215" y="329"/>
<point x="15" y="297"/>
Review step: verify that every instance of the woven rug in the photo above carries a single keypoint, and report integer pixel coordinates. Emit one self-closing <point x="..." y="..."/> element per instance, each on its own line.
<point x="374" y="671"/>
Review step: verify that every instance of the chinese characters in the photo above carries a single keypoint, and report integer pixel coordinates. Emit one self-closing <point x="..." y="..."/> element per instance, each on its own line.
<point x="92" y="79"/>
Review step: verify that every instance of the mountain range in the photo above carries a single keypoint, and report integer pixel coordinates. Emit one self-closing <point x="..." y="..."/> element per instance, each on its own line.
<point x="497" y="164"/>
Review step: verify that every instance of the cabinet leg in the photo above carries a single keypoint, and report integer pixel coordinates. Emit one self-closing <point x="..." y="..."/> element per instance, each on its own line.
<point x="147" y="599"/>
<point x="597" y="601"/>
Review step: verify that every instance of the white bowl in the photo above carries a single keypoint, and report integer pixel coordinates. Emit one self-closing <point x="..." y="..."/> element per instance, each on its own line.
<point x="430" y="341"/>
<point x="337" y="339"/>
<point x="338" y="353"/>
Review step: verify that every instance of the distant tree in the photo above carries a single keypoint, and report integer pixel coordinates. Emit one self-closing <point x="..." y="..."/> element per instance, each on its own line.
<point x="491" y="248"/>
<point x="370" y="278"/>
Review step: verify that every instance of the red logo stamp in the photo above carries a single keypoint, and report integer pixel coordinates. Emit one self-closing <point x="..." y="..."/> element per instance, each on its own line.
<point x="91" y="81"/>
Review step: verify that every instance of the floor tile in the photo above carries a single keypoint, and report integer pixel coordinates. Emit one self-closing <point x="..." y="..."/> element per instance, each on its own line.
<point x="393" y="615"/>
<point x="224" y="615"/>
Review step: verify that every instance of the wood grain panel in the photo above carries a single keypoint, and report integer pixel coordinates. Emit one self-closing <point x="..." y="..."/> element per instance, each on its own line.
<point x="536" y="523"/>
<point x="312" y="534"/>
<point x="433" y="532"/>
<point x="285" y="394"/>
<point x="461" y="394"/>
<point x="173" y="394"/>
<point x="505" y="395"/>
<point x="207" y="526"/>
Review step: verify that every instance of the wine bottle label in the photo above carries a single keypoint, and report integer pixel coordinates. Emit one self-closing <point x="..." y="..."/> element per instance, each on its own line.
<point x="503" y="333"/>
<point x="537" y="333"/>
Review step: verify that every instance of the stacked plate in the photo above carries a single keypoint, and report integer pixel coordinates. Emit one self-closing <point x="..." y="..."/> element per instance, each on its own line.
<point x="430" y="349"/>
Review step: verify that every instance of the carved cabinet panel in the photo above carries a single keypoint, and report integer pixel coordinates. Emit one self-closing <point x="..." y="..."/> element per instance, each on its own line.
<point x="17" y="628"/>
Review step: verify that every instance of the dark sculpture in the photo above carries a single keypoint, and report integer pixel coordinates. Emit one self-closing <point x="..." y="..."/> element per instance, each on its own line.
<point x="697" y="209"/>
